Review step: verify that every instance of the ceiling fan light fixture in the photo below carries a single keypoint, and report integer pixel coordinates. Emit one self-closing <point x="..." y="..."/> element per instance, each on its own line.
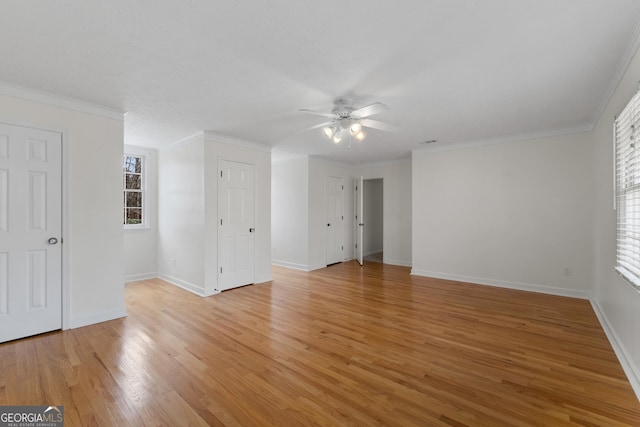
<point x="355" y="128"/>
<point x="328" y="132"/>
<point x="347" y="121"/>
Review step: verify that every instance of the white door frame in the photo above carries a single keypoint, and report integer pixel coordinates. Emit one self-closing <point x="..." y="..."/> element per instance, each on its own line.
<point x="359" y="219"/>
<point x="65" y="241"/>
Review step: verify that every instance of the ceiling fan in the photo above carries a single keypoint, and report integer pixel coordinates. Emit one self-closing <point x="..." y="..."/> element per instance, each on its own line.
<point x="347" y="120"/>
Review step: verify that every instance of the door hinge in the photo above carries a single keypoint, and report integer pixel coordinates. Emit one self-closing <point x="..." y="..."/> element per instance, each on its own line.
<point x="342" y="248"/>
<point x="220" y="174"/>
<point x="356" y="246"/>
<point x="343" y="187"/>
<point x="220" y="221"/>
<point x="220" y="270"/>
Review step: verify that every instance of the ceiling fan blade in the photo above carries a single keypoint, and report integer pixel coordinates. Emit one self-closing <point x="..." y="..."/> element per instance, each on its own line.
<point x="305" y="110"/>
<point x="321" y="125"/>
<point x="375" y="124"/>
<point x="369" y="110"/>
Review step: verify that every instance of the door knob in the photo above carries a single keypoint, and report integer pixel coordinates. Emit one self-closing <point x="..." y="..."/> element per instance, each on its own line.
<point x="251" y="230"/>
<point x="52" y="241"/>
<point x="328" y="225"/>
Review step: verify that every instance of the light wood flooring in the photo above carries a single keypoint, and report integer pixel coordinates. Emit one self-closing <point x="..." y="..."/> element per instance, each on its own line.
<point x="343" y="345"/>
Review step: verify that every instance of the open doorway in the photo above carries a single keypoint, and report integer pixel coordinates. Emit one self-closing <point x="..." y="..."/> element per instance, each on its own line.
<point x="373" y="243"/>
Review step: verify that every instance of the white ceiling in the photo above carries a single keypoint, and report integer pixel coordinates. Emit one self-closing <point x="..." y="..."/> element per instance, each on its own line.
<point x="455" y="71"/>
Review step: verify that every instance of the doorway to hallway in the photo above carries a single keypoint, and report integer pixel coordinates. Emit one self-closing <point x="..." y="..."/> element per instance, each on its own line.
<point x="373" y="239"/>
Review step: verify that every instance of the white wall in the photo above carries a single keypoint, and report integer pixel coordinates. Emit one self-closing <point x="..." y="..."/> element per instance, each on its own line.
<point x="314" y="172"/>
<point x="290" y="212"/>
<point x="188" y="211"/>
<point x="181" y="216"/>
<point x="373" y="200"/>
<point x="224" y="148"/>
<point x="93" y="287"/>
<point x="518" y="214"/>
<point x="140" y="244"/>
<point x="397" y="211"/>
<point x="615" y="301"/>
<point x="299" y="216"/>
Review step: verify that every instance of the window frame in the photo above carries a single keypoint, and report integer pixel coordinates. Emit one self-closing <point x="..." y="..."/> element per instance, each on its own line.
<point x="626" y="181"/>
<point x="143" y="191"/>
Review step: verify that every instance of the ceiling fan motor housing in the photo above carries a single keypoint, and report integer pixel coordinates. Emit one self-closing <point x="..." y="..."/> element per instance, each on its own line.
<point x="343" y="107"/>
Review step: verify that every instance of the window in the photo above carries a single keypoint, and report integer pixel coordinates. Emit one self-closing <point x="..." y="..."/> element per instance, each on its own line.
<point x="133" y="183"/>
<point x="627" y="197"/>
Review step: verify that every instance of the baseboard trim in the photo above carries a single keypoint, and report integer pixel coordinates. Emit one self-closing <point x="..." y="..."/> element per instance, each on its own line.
<point x="550" y="290"/>
<point x="208" y="293"/>
<point x="399" y="262"/>
<point x="137" y="277"/>
<point x="629" y="368"/>
<point x="194" y="289"/>
<point x="295" y="266"/>
<point x="91" y="319"/>
<point x="287" y="264"/>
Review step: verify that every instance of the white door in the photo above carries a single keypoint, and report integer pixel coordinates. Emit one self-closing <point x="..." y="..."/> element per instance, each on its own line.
<point x="335" y="218"/>
<point x="359" y="191"/>
<point x="30" y="231"/>
<point x="236" y="224"/>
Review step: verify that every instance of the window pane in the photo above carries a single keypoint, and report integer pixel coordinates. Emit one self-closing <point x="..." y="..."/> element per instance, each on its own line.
<point x="133" y="182"/>
<point x="627" y="168"/>
<point x="132" y="164"/>
<point x="134" y="199"/>
<point x="133" y="216"/>
<point x="126" y="165"/>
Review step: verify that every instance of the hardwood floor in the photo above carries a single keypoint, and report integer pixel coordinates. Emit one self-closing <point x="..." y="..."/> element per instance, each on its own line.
<point x="340" y="346"/>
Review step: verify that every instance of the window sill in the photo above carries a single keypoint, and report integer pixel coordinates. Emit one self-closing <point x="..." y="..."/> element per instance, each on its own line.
<point x="628" y="278"/>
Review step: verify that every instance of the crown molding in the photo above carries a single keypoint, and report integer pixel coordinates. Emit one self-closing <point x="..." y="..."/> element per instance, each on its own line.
<point x="630" y="50"/>
<point x="238" y="142"/>
<point x="587" y="127"/>
<point x="60" y="101"/>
